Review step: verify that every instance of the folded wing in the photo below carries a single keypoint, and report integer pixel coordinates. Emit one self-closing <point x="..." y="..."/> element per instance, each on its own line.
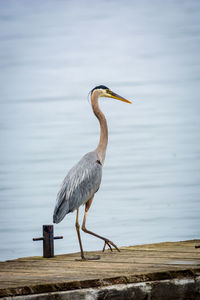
<point x="80" y="184"/>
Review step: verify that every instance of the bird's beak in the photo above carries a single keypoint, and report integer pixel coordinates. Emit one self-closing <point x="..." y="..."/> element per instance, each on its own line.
<point x="111" y="94"/>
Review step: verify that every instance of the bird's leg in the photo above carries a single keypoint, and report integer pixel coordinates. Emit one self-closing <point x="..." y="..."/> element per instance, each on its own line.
<point x="79" y="236"/>
<point x="80" y="243"/>
<point x="107" y="241"/>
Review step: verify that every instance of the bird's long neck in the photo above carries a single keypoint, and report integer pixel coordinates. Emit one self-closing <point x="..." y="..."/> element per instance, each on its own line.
<point x="103" y="141"/>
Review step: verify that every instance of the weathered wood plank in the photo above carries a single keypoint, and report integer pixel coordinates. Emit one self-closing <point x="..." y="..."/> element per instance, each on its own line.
<point x="133" y="264"/>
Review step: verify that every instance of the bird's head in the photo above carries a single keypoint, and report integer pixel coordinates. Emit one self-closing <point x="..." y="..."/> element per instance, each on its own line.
<point x="104" y="91"/>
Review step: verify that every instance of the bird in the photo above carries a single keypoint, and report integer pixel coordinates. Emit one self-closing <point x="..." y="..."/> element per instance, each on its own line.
<point x="84" y="179"/>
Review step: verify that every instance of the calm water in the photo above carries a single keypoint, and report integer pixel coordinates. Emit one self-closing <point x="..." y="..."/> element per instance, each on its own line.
<point x="52" y="54"/>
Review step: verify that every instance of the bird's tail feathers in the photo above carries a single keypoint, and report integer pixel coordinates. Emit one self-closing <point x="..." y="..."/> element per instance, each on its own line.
<point x="60" y="211"/>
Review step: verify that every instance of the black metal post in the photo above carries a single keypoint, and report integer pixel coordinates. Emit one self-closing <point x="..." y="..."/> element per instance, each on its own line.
<point x="48" y="238"/>
<point x="48" y="249"/>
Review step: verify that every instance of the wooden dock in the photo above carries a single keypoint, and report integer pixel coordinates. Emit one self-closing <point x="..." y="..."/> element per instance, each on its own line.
<point x="135" y="264"/>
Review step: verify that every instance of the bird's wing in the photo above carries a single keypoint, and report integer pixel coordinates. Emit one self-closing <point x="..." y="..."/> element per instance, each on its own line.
<point x="80" y="184"/>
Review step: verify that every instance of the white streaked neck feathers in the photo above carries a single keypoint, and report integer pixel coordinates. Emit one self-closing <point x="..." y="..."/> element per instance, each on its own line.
<point x="103" y="141"/>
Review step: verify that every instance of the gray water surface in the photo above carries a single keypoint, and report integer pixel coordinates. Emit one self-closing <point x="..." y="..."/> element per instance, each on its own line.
<point x="52" y="53"/>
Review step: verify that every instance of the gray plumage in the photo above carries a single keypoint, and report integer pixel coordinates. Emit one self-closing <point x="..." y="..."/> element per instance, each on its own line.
<point x="80" y="185"/>
<point x="83" y="180"/>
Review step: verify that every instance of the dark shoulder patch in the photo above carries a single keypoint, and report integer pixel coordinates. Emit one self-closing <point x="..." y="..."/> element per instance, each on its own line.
<point x="98" y="162"/>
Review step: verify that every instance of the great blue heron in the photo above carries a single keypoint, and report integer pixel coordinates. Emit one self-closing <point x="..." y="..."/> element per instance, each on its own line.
<point x="83" y="180"/>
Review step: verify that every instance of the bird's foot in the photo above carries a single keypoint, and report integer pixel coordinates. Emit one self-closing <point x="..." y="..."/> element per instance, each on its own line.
<point x="109" y="243"/>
